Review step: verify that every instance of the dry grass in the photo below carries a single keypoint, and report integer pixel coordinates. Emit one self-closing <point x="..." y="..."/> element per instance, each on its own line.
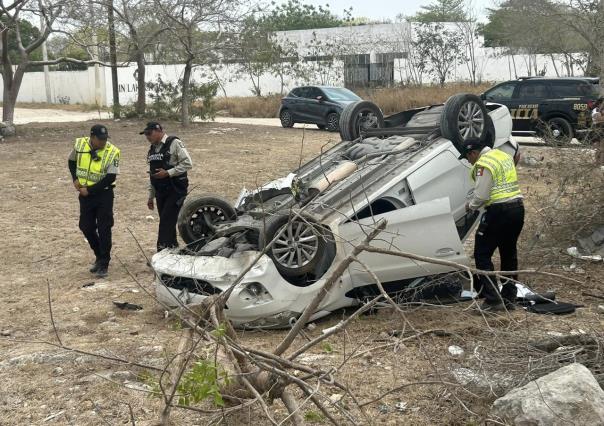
<point x="390" y="100"/>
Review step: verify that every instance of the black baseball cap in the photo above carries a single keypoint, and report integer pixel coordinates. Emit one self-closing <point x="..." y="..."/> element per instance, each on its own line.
<point x="470" y="144"/>
<point x="99" y="131"/>
<point x="151" y="125"/>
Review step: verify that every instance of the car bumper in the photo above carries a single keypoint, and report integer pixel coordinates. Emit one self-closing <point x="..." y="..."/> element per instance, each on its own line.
<point x="263" y="299"/>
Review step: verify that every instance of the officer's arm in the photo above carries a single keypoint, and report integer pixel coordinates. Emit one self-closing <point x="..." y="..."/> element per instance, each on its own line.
<point x="482" y="190"/>
<point x="102" y="184"/>
<point x="71" y="163"/>
<point x="183" y="159"/>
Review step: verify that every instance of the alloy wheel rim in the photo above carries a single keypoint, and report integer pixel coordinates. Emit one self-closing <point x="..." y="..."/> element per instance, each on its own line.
<point x="296" y="246"/>
<point x="470" y="121"/>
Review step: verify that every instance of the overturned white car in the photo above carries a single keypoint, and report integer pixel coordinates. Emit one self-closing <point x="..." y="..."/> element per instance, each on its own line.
<point x="403" y="168"/>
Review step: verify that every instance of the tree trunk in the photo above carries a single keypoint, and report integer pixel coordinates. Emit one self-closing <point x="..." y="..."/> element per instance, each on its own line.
<point x="185" y="102"/>
<point x="12" y="84"/>
<point x="141" y="100"/>
<point x="113" y="55"/>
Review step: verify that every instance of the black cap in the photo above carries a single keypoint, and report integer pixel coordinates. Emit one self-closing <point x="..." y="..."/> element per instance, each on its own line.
<point x="151" y="125"/>
<point x="99" y="131"/>
<point x="470" y="144"/>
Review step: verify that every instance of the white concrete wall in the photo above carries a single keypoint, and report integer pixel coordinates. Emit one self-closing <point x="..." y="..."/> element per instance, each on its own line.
<point x="65" y="87"/>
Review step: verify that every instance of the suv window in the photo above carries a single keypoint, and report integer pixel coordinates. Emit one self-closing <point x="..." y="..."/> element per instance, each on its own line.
<point x="573" y="89"/>
<point x="503" y="91"/>
<point x="297" y="92"/>
<point x="533" y="90"/>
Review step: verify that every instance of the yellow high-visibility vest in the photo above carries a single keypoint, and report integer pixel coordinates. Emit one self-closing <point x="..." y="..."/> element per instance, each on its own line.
<point x="91" y="171"/>
<point x="505" y="179"/>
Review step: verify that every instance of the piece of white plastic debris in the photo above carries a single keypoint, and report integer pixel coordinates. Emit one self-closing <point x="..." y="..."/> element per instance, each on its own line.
<point x="574" y="252"/>
<point x="149" y="218"/>
<point x="401" y="406"/>
<point x="335" y="398"/>
<point x="456" y="350"/>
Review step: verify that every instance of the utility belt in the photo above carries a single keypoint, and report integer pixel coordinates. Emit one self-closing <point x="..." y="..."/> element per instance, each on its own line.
<point x="507" y="205"/>
<point x="179" y="184"/>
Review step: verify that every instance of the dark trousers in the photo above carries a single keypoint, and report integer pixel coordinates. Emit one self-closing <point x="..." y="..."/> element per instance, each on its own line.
<point x="168" y="206"/>
<point x="96" y="220"/>
<point x="499" y="228"/>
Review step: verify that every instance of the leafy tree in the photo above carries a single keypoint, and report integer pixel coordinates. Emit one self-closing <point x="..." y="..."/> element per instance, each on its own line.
<point x="442" y="11"/>
<point x="442" y="48"/>
<point x="295" y="15"/>
<point x="28" y="32"/>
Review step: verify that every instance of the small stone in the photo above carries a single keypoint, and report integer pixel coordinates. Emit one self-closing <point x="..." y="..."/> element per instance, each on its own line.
<point x="149" y="218"/>
<point x="456" y="350"/>
<point x="75" y="309"/>
<point x="601" y="309"/>
<point x="335" y="398"/>
<point x="311" y="326"/>
<point x="58" y="371"/>
<point x="6" y="333"/>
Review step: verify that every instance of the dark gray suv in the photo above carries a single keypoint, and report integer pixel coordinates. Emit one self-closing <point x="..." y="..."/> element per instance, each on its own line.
<point x="320" y="105"/>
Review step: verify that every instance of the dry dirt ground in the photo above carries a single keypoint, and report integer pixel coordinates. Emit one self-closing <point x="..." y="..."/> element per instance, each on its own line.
<point x="42" y="384"/>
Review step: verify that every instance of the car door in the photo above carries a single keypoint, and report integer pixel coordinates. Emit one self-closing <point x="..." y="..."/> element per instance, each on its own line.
<point x="504" y="94"/>
<point x="425" y="229"/>
<point x="296" y="103"/>
<point x="531" y="95"/>
<point x="315" y="107"/>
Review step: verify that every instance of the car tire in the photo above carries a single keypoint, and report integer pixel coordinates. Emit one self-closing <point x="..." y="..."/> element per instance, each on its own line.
<point x="560" y="130"/>
<point x="454" y="123"/>
<point x="321" y="126"/>
<point x="358" y="116"/>
<point x="299" y="248"/>
<point x="192" y="225"/>
<point x="333" y="122"/>
<point x="287" y="120"/>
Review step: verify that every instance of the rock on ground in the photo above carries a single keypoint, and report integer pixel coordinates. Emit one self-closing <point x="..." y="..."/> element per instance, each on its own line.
<point x="569" y="395"/>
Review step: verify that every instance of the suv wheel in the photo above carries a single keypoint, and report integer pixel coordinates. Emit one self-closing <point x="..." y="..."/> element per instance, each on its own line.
<point x="559" y="129"/>
<point x="287" y="120"/>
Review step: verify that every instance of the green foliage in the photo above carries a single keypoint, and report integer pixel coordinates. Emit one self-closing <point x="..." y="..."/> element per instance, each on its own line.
<point x="314" y="417"/>
<point x="202" y="382"/>
<point x="166" y="100"/>
<point x="29" y="34"/>
<point x="326" y="346"/>
<point x="295" y="15"/>
<point x="441" y="47"/>
<point x="442" y="11"/>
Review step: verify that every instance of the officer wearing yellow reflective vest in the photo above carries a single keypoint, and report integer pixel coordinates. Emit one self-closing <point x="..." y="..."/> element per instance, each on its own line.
<point x="94" y="164"/>
<point x="496" y="188"/>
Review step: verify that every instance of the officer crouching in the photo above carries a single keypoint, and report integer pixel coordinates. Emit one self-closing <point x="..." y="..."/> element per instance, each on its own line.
<point x="168" y="162"/>
<point x="496" y="188"/>
<point x="94" y="165"/>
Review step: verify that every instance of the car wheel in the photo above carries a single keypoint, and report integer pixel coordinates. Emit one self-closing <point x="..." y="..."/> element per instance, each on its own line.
<point x="198" y="216"/>
<point x="465" y="116"/>
<point x="333" y="122"/>
<point x="359" y="116"/>
<point x="287" y="120"/>
<point x="321" y="126"/>
<point x="560" y="130"/>
<point x="299" y="247"/>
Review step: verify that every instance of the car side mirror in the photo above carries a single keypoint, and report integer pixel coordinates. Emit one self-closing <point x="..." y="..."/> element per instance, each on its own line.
<point x="320" y="98"/>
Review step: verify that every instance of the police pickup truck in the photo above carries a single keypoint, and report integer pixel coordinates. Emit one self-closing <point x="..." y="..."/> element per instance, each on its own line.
<point x="537" y="104"/>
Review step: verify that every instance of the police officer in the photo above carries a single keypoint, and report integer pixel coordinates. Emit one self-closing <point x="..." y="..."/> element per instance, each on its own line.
<point x="168" y="162"/>
<point x="94" y="165"/>
<point x="496" y="188"/>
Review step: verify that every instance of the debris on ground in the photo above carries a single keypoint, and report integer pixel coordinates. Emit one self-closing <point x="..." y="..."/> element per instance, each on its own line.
<point x="127" y="306"/>
<point x="456" y="350"/>
<point x="569" y="395"/>
<point x="594" y="244"/>
<point x="574" y="252"/>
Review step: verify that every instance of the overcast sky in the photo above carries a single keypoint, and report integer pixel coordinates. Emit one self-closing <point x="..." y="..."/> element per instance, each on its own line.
<point x="383" y="9"/>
